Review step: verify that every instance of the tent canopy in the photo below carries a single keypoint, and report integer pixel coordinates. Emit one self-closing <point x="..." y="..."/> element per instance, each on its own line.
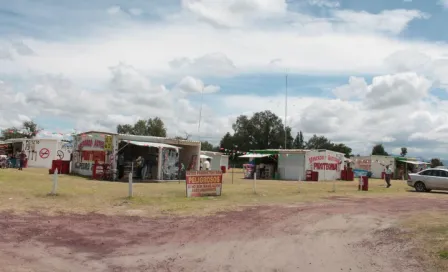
<point x="149" y="144"/>
<point x="415" y="162"/>
<point x="254" y="156"/>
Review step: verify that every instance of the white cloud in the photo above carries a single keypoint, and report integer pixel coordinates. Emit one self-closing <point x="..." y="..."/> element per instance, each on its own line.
<point x="356" y="87"/>
<point x="22" y="49"/>
<point x="435" y="69"/>
<point x="135" y="11"/>
<point x="389" y="21"/>
<point x="386" y="91"/>
<point x="444" y="3"/>
<point x="114" y="10"/>
<point x="324" y="3"/>
<point x="116" y="74"/>
<point x="209" y="64"/>
<point x="192" y="85"/>
<point x="397" y="90"/>
<point x="234" y="13"/>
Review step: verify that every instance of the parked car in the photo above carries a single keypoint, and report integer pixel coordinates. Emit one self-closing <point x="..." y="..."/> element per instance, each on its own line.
<point x="429" y="179"/>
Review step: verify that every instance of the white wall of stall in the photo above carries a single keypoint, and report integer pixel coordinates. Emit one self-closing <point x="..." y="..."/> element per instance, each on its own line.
<point x="328" y="164"/>
<point x="291" y="166"/>
<point x="218" y="159"/>
<point x="41" y="152"/>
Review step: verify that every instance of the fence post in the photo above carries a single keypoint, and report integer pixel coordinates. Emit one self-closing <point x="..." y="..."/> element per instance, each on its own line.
<point x="55" y="182"/>
<point x="130" y="180"/>
<point x="255" y="182"/>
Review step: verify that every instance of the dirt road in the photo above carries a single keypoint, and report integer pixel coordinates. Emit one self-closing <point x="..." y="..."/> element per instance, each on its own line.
<point x="341" y="235"/>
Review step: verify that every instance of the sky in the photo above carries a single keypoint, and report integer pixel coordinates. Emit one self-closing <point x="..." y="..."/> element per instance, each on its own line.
<point x="359" y="72"/>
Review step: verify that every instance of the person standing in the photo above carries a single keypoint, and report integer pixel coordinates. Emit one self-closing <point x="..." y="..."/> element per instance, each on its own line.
<point x="120" y="163"/>
<point x="207" y="164"/>
<point x="388" y="175"/>
<point x="22" y="158"/>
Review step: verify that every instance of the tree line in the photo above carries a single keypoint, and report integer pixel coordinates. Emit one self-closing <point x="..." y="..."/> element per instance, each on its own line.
<point x="262" y="130"/>
<point x="28" y="130"/>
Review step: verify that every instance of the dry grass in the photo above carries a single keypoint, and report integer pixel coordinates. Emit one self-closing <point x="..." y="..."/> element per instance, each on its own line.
<point x="27" y="190"/>
<point x="430" y="230"/>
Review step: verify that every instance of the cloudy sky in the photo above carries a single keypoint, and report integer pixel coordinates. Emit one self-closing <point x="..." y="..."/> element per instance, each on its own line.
<point x="360" y="72"/>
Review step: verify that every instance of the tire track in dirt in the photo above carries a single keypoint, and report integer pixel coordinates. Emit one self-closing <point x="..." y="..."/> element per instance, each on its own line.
<point x="356" y="234"/>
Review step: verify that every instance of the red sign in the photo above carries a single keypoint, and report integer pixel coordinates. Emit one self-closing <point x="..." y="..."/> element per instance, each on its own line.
<point x="325" y="166"/>
<point x="91" y="143"/>
<point x="203" y="183"/>
<point x="44" y="153"/>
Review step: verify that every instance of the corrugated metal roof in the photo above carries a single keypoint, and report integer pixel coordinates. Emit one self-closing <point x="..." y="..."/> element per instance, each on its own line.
<point x="212" y="153"/>
<point x="157" y="139"/>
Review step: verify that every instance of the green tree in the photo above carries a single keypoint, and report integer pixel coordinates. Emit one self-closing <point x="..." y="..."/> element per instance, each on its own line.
<point x="299" y="141"/>
<point x="318" y="142"/>
<point x="321" y="142"/>
<point x="264" y="130"/>
<point x="379" y="150"/>
<point x="206" y="146"/>
<point x="227" y="141"/>
<point x="125" y="129"/>
<point x="151" y="127"/>
<point x="404" y="152"/>
<point x="436" y="162"/>
<point x="156" y="127"/>
<point x="140" y="128"/>
<point x="29" y="130"/>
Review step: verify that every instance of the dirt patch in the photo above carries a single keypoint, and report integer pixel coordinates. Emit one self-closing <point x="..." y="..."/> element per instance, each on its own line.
<point x="343" y="235"/>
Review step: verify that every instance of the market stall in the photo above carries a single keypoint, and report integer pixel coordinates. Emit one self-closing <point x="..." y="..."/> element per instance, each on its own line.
<point x="263" y="165"/>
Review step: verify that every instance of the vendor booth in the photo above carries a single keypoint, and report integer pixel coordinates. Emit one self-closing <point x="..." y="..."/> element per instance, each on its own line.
<point x="263" y="165"/>
<point x="373" y="166"/>
<point x="148" y="158"/>
<point x="218" y="161"/>
<point x="40" y="152"/>
<point x="293" y="164"/>
<point x="405" y="166"/>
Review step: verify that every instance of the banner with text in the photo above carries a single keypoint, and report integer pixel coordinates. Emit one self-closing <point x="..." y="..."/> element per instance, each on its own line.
<point x="203" y="183"/>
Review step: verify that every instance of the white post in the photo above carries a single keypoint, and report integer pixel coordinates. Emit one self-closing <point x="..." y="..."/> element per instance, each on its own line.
<point x="255" y="183"/>
<point x="55" y="182"/>
<point x="130" y="180"/>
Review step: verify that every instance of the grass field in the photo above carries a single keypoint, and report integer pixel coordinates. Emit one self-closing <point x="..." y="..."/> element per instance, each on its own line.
<point x="28" y="190"/>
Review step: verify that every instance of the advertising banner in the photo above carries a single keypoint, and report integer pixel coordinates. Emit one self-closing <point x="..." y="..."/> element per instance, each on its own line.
<point x="203" y="183"/>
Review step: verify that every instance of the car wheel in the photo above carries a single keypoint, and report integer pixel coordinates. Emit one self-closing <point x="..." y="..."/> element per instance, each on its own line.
<point x="420" y="187"/>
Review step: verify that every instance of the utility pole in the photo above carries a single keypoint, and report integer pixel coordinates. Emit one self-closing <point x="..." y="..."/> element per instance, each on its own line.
<point x="286" y="103"/>
<point x="200" y="114"/>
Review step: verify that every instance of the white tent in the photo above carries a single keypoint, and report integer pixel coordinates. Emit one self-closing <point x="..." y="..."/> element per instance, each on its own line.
<point x="254" y="156"/>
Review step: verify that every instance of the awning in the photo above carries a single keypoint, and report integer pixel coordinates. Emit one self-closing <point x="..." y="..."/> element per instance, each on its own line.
<point x="415" y="162"/>
<point x="255" y="156"/>
<point x="149" y="144"/>
<point x="205" y="157"/>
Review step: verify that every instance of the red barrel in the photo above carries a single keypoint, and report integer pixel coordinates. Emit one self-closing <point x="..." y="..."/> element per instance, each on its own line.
<point x="315" y="176"/>
<point x="350" y="175"/>
<point x="363" y="183"/>
<point x="223" y="169"/>
<point x="309" y="175"/>
<point x="344" y="174"/>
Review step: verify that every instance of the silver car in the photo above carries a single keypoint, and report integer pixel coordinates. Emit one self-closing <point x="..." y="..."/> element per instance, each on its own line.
<point x="429" y="179"/>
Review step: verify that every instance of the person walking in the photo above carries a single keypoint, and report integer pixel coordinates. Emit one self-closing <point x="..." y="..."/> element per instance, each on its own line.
<point x="388" y="175"/>
<point x="22" y="158"/>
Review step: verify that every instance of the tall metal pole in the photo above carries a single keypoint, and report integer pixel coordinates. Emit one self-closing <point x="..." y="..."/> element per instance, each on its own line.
<point x="286" y="103"/>
<point x="200" y="114"/>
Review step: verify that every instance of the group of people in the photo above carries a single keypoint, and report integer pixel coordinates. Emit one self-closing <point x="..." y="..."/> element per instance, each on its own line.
<point x="18" y="160"/>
